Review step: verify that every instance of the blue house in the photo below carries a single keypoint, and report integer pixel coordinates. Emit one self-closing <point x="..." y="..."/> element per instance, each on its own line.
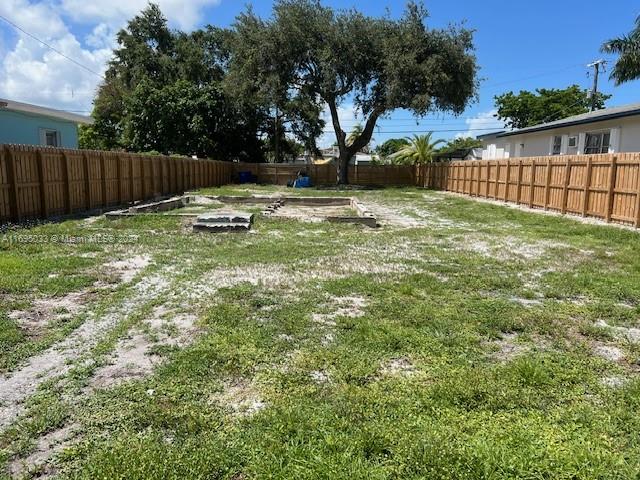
<point x="22" y="123"/>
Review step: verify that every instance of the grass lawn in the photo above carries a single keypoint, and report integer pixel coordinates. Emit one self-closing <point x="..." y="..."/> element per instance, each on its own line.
<point x="460" y="340"/>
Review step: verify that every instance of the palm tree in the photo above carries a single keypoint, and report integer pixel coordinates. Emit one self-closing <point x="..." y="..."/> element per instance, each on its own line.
<point x="355" y="133"/>
<point x="420" y="150"/>
<point x="627" y="66"/>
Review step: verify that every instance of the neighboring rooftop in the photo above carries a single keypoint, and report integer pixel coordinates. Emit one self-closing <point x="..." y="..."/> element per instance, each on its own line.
<point x="596" y="116"/>
<point x="44" y="111"/>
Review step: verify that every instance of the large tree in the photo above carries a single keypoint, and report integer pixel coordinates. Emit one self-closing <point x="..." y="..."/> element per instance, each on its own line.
<point x="164" y="91"/>
<point x="627" y="48"/>
<point x="311" y="52"/>
<point x="544" y="105"/>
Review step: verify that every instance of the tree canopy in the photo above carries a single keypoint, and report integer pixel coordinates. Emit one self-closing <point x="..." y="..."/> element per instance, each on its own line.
<point x="391" y="146"/>
<point x="544" y="105"/>
<point x="317" y="56"/>
<point x="627" y="47"/>
<point x="460" y="143"/>
<point x="164" y="91"/>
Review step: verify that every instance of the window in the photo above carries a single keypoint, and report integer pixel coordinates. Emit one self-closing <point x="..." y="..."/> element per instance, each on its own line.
<point x="49" y="137"/>
<point x="573" y="141"/>
<point x="557" y="145"/>
<point x="597" y="142"/>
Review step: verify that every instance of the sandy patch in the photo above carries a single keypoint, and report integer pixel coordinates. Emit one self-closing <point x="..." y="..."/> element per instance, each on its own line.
<point x="47" y="446"/>
<point x="58" y="359"/>
<point x="348" y="306"/>
<point x="127" y="269"/>
<point x="608" y="352"/>
<point x="630" y="334"/>
<point x="398" y="367"/>
<point x="133" y="357"/>
<point x="241" y="396"/>
<point x="44" y="310"/>
<point x="507" y="347"/>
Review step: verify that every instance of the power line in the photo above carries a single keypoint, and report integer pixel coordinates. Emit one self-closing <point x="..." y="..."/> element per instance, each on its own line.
<point x="51" y="47"/>
<point x="430" y="130"/>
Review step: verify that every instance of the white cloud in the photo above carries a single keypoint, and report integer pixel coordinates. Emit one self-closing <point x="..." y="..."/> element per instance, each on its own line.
<point x="184" y="14"/>
<point x="484" y="122"/>
<point x="31" y="72"/>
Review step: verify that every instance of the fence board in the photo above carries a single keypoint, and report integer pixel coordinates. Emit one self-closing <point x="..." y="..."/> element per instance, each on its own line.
<point x="47" y="182"/>
<point x="604" y="186"/>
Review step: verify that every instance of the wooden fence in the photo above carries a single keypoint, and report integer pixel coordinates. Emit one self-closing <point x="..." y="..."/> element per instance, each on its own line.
<point x="374" y="175"/>
<point x="602" y="186"/>
<point x="46" y="182"/>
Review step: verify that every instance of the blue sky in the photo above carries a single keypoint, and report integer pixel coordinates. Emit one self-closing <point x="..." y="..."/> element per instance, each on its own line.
<point x="531" y="45"/>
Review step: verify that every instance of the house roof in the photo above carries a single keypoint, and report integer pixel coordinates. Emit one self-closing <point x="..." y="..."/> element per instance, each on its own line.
<point x="591" y="117"/>
<point x="44" y="111"/>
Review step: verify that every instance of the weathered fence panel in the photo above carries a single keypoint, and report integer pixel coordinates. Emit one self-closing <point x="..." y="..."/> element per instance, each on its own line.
<point x="603" y="186"/>
<point x="373" y="175"/>
<point x="41" y="182"/>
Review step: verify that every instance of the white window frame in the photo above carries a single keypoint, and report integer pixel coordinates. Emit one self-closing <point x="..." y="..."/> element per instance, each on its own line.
<point x="556" y="149"/>
<point x="43" y="137"/>
<point x="575" y="141"/>
<point x="601" y="147"/>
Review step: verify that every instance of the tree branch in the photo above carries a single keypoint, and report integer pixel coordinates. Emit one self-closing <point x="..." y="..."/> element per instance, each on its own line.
<point x="365" y="137"/>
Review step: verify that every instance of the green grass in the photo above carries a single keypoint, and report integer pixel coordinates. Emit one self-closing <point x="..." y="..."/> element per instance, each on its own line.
<point x="468" y="352"/>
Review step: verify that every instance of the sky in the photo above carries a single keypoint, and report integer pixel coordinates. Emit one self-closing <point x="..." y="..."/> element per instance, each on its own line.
<point x="519" y="46"/>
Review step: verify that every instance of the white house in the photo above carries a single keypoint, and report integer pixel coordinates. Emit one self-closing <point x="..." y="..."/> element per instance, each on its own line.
<point x="609" y="130"/>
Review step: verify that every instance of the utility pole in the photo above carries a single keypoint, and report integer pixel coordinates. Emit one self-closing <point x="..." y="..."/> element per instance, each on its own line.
<point x="596" y="72"/>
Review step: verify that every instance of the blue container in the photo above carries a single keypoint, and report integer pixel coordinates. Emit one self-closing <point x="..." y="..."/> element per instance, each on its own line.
<point x="246" y="177"/>
<point x="302" y="182"/>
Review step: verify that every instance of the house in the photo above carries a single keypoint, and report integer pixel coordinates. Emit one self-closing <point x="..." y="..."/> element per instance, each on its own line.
<point x="23" y="123"/>
<point x="460" y="154"/>
<point x="609" y="130"/>
<point x="361" y="158"/>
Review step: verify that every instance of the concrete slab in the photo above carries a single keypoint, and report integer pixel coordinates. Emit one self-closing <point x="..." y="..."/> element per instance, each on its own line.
<point x="221" y="227"/>
<point x="225" y="217"/>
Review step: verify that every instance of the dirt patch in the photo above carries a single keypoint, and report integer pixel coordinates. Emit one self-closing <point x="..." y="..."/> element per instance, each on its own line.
<point x="613" y="381"/>
<point x="134" y="357"/>
<point x="241" y="396"/>
<point x="127" y="269"/>
<point x="608" y="352"/>
<point x="508" y="248"/>
<point x="507" y="348"/>
<point x="46" y="448"/>
<point x="630" y="334"/>
<point x="45" y="310"/>
<point x="398" y="367"/>
<point x="349" y="306"/>
<point x="58" y="359"/>
<point x="319" y="376"/>
<point x="389" y="215"/>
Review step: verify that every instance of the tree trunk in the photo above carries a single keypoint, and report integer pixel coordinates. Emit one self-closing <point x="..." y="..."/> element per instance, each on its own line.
<point x="342" y="167"/>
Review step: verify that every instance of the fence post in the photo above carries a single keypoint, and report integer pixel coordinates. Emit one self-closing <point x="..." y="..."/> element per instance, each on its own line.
<point x="613" y="170"/>
<point x="587" y="184"/>
<point x="119" y="174"/>
<point x="42" y="184"/>
<point x="66" y="178"/>
<point x="506" y="184"/>
<point x="87" y="181"/>
<point x="14" y="211"/>
<point x="565" y="187"/>
<point x="131" y="182"/>
<point x="103" y="175"/>
<point x="532" y="183"/>
<point x="519" y="184"/>
<point x="497" y="183"/>
<point x="547" y="185"/>
<point x="637" y="212"/>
